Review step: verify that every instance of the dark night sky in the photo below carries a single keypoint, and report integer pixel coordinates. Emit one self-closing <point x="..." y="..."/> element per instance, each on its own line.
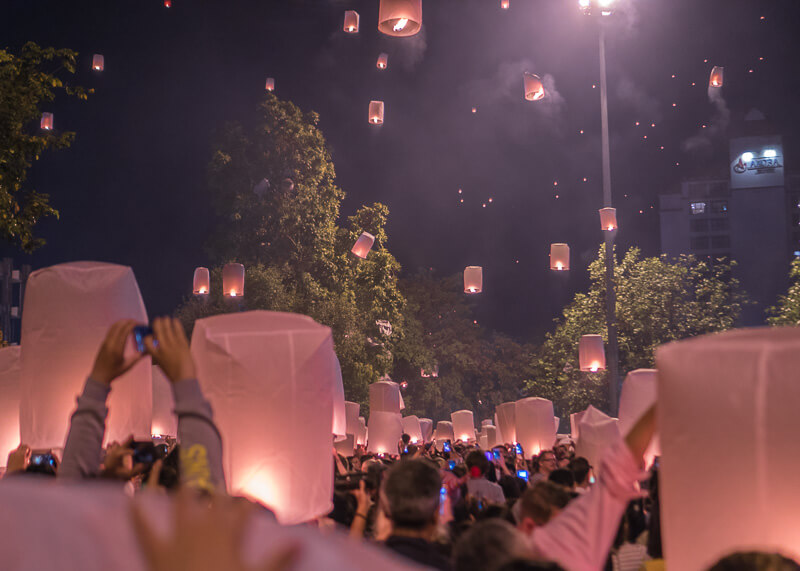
<point x="132" y="188"/>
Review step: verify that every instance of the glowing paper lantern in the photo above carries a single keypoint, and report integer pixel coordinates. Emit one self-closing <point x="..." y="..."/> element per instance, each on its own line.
<point x="598" y="432"/>
<point x="534" y="88"/>
<point x="384" y="396"/>
<point x="556" y="422"/>
<point x="591" y="353"/>
<point x="363" y="245"/>
<point x="346" y="446"/>
<point x="339" y="425"/>
<point x="98" y="62"/>
<point x="351" y="19"/>
<point x="491" y="436"/>
<point x="715" y="79"/>
<point x="69" y="308"/>
<point x="559" y="257"/>
<point x="47" y="121"/>
<point x="506" y="421"/>
<point x="426" y="426"/>
<point x="385" y="431"/>
<point x="164" y="420"/>
<point x="463" y="425"/>
<point x="201" y="284"/>
<point x="534" y="425"/>
<point x="351" y="412"/>
<point x="413" y="428"/>
<point x="9" y="401"/>
<point x="376" y="112"/>
<point x="270" y="85"/>
<point x="361" y="436"/>
<point x="637" y="396"/>
<point x="473" y="279"/>
<point x="486" y="422"/>
<point x="167" y="3"/>
<point x="383" y="61"/>
<point x="270" y="378"/>
<point x="504" y="4"/>
<point x="574" y="423"/>
<point x="608" y="219"/>
<point x="400" y="18"/>
<point x="444" y="431"/>
<point x="233" y="280"/>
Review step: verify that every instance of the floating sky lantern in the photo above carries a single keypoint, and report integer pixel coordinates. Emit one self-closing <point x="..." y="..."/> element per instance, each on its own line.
<point x="363" y="245"/>
<point x="430" y="373"/>
<point x="47" y="121"/>
<point x="98" y="62"/>
<point x="383" y="61"/>
<point x="201" y="284"/>
<point x="715" y="80"/>
<point x="351" y="19"/>
<point x="608" y="218"/>
<point x="473" y="279"/>
<point x="534" y="88"/>
<point x="400" y="18"/>
<point x="167" y="3"/>
<point x="233" y="280"/>
<point x="270" y="85"/>
<point x="376" y="112"/>
<point x="559" y="257"/>
<point x="463" y="425"/>
<point x="591" y="353"/>
<point x="504" y="4"/>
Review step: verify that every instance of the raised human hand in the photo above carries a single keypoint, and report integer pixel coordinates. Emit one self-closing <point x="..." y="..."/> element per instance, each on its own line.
<point x="111" y="362"/>
<point x="171" y="352"/>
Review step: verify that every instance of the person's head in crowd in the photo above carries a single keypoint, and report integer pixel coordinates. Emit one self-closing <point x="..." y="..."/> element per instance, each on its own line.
<point x="412" y="450"/>
<point x="410" y="497"/>
<point x="405" y="438"/>
<point x="530" y="565"/>
<point x="547" y="462"/>
<point x="562" y="477"/>
<point x="580" y="468"/>
<point x="755" y="561"/>
<point x="477" y="464"/>
<point x="539" y="504"/>
<point x="488" y="546"/>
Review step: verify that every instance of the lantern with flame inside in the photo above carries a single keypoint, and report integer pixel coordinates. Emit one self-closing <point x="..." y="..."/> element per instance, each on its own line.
<point x="591" y="353"/>
<point x="383" y="61"/>
<point x="463" y="425"/>
<point x="473" y="279"/>
<point x="608" y="219"/>
<point x="715" y="80"/>
<point x="363" y="245"/>
<point x="201" y="284"/>
<point x="444" y="431"/>
<point x="98" y="62"/>
<point x="233" y="280"/>
<point x="507" y="421"/>
<point x="270" y="85"/>
<point x="534" y="88"/>
<point x="376" y="112"/>
<point x="412" y="427"/>
<point x="504" y="4"/>
<point x="559" y="257"/>
<point x="47" y="121"/>
<point x="167" y="3"/>
<point x="534" y="425"/>
<point x="351" y="22"/>
<point x="426" y="426"/>
<point x="400" y="18"/>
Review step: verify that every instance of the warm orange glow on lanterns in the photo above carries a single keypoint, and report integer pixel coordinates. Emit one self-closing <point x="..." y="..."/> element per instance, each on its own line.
<point x="608" y="219"/>
<point x="98" y="62"/>
<point x="591" y="353"/>
<point x="201" y="284"/>
<point x="376" y="112"/>
<point x="473" y="279"/>
<point x="233" y="280"/>
<point x="400" y="18"/>
<point x="716" y="77"/>
<point x="559" y="257"/>
<point x="363" y="245"/>
<point x="383" y="61"/>
<point x="351" y="19"/>
<point x="504" y="4"/>
<point x="47" y="121"/>
<point x="534" y="88"/>
<point x="167" y="3"/>
<point x="270" y="86"/>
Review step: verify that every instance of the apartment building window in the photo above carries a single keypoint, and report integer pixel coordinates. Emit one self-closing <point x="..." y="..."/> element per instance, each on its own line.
<point x="718" y="224"/>
<point x="699" y="225"/>
<point x="719" y="206"/>
<point x="699" y="207"/>
<point x="720" y="242"/>
<point x="699" y="242"/>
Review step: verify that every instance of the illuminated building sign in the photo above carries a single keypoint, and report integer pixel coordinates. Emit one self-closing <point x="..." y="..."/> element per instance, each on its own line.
<point x="756" y="162"/>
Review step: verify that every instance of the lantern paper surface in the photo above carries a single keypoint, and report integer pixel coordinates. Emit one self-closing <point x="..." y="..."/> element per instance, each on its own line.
<point x="463" y="425"/>
<point x="735" y="393"/>
<point x="383" y="61"/>
<point x="384" y="396"/>
<point x="361" y="437"/>
<point x="98" y="62"/>
<point x="270" y="84"/>
<point x="351" y="412"/>
<point x="486" y="422"/>
<point x="400" y="17"/>
<point x="47" y="121"/>
<point x="376" y="112"/>
<point x="559" y="257"/>
<point x="201" y="284"/>
<point x="591" y="353"/>
<point x="9" y="401"/>
<point x="164" y="420"/>
<point x="363" y="245"/>
<point x="385" y="430"/>
<point x="346" y="446"/>
<point x="608" y="219"/>
<point x="412" y="427"/>
<point x="483" y="441"/>
<point x="556" y="422"/>
<point x="233" y="280"/>
<point x="534" y="424"/>
<point x="69" y="308"/>
<point x="534" y="88"/>
<point x="351" y="19"/>
<point x="491" y="436"/>
<point x="716" y="77"/>
<point x="473" y="279"/>
<point x="574" y="424"/>
<point x="506" y="421"/>
<point x="598" y="432"/>
<point x="426" y="426"/>
<point x="270" y="378"/>
<point x="339" y="425"/>
<point x="637" y="396"/>
<point x="444" y="430"/>
<point x="504" y="4"/>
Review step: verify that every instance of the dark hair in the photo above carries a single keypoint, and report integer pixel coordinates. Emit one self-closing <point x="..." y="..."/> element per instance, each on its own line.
<point x="755" y="561"/>
<point x="411" y="490"/>
<point x="489" y="544"/>
<point x="563" y="477"/>
<point x="477" y="459"/>
<point x="539" y="501"/>
<point x="580" y="469"/>
<point x="529" y="565"/>
<point x="405" y="438"/>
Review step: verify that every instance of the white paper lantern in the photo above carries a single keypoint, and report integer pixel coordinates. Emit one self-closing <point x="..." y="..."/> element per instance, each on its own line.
<point x="412" y="427"/>
<point x="591" y="353"/>
<point x="608" y="219"/>
<point x="384" y="396"/>
<point x="716" y="77"/>
<point x="506" y="421"/>
<point x="351" y="19"/>
<point x="556" y="422"/>
<point x="69" y="309"/>
<point x="400" y="18"/>
<point x="534" y="88"/>
<point x="385" y="431"/>
<point x="339" y="425"/>
<point x="270" y="84"/>
<point x="376" y="112"/>
<point x="346" y="446"/>
<point x="352" y="410"/>
<point x="270" y="378"/>
<point x="363" y="245"/>
<point x="383" y="61"/>
<point x="559" y="257"/>
<point x="47" y="121"/>
<point x="98" y="62"/>
<point x="9" y="401"/>
<point x="463" y="425"/>
<point x="164" y="421"/>
<point x="483" y="441"/>
<point x="426" y="426"/>
<point x="473" y="279"/>
<point x="637" y="396"/>
<point x="534" y="425"/>
<point x="598" y="432"/>
<point x="574" y="424"/>
<point x="444" y="431"/>
<point x="233" y="280"/>
<point x="201" y="284"/>
<point x="491" y="436"/>
<point x="361" y="437"/>
<point x="504" y="4"/>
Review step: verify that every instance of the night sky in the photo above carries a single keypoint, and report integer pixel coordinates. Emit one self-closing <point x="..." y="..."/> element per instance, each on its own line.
<point x="132" y="188"/>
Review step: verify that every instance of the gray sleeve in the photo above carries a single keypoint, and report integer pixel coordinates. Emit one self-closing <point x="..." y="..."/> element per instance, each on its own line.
<point x="84" y="447"/>
<point x="200" y="440"/>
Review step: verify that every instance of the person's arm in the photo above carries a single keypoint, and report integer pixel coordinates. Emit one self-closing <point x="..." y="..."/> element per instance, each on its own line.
<point x="363" y="504"/>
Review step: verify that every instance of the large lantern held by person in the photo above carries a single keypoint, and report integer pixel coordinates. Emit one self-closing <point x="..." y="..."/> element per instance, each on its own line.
<point x="534" y="425"/>
<point x="507" y="421"/>
<point x="98" y="62"/>
<point x="534" y="88"/>
<point x="591" y="353"/>
<point x="351" y="19"/>
<point x="400" y="17"/>
<point x="47" y="121"/>
<point x="715" y="80"/>
<point x="608" y="219"/>
<point x="376" y="112"/>
<point x="473" y="279"/>
<point x="363" y="245"/>
<point x="233" y="280"/>
<point x="9" y="400"/>
<point x="270" y="85"/>
<point x="412" y="427"/>
<point x="201" y="284"/>
<point x="559" y="257"/>
<point x="383" y="61"/>
<point x="463" y="425"/>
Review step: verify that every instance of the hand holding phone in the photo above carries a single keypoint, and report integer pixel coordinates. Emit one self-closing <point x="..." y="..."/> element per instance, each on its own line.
<point x="446" y="447"/>
<point x="522" y="474"/>
<point x="111" y="361"/>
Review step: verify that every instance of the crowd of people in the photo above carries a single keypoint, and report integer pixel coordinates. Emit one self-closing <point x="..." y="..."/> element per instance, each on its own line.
<point x="451" y="506"/>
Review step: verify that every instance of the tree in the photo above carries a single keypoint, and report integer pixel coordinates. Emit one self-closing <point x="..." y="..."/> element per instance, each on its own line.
<point x="658" y="301"/>
<point x="787" y="312"/>
<point x="27" y="80"/>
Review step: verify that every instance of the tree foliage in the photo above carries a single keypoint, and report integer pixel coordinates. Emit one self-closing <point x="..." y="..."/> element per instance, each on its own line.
<point x="787" y="312"/>
<point x="27" y="80"/>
